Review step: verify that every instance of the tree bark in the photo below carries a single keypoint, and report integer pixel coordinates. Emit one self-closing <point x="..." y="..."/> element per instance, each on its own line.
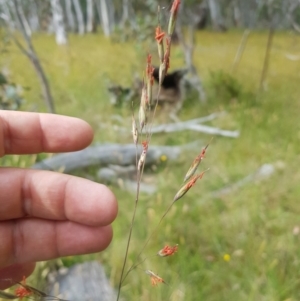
<point x="89" y="15"/>
<point x="70" y="16"/>
<point x="125" y="12"/>
<point x="6" y="15"/>
<point x="79" y="17"/>
<point x="20" y="20"/>
<point x="34" y="22"/>
<point x="105" y="18"/>
<point x="249" y="12"/>
<point x="58" y="22"/>
<point x="216" y="16"/>
<point x="24" y="21"/>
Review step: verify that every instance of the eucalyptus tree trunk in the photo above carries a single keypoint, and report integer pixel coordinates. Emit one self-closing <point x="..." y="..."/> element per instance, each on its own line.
<point x="216" y="16"/>
<point x="89" y="15"/>
<point x="6" y="14"/>
<point x="21" y="19"/>
<point x="125" y="12"/>
<point x="236" y="14"/>
<point x="58" y="23"/>
<point x="33" y="18"/>
<point x="105" y="18"/>
<point x="70" y="16"/>
<point x="249" y="10"/>
<point x="79" y="16"/>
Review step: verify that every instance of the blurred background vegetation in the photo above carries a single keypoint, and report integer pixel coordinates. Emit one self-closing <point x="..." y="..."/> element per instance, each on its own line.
<point x="240" y="245"/>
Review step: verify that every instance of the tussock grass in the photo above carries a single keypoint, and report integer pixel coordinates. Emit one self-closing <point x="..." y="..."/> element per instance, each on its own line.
<point x="256" y="225"/>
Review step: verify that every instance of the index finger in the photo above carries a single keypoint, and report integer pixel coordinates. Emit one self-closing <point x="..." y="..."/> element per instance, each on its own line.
<point x="27" y="133"/>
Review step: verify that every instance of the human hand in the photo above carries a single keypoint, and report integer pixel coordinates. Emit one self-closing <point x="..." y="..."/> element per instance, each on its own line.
<point x="44" y="215"/>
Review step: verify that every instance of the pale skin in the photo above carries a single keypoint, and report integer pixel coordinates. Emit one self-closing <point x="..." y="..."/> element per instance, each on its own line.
<point x="46" y="215"/>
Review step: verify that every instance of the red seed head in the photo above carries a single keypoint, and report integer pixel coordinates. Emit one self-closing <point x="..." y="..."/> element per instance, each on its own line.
<point x="175" y="6"/>
<point x="159" y="35"/>
<point x="167" y="251"/>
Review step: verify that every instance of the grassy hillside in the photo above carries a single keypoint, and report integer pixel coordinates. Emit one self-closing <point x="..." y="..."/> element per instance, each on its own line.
<point x="243" y="245"/>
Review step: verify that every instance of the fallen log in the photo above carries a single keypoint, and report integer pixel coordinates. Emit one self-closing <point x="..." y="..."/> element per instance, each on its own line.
<point x="116" y="154"/>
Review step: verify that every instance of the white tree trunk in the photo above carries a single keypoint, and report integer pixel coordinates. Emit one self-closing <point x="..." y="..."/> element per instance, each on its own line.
<point x="58" y="23"/>
<point x="6" y="14"/>
<point x="70" y="16"/>
<point x="236" y="14"/>
<point x="125" y="12"/>
<point x="215" y="13"/>
<point x="79" y="16"/>
<point x="33" y="18"/>
<point x="105" y="18"/>
<point x="22" y="17"/>
<point x="89" y="15"/>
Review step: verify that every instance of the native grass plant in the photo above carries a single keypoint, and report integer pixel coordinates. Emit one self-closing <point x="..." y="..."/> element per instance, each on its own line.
<point x="225" y="86"/>
<point x="141" y="130"/>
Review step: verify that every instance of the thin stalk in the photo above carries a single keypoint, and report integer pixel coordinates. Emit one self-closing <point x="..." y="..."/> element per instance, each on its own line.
<point x="127" y="246"/>
<point x="139" y="176"/>
<point x="149" y="135"/>
<point x="147" y="241"/>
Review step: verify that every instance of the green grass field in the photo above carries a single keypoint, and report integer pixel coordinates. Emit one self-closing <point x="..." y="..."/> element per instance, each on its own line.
<point x="244" y="245"/>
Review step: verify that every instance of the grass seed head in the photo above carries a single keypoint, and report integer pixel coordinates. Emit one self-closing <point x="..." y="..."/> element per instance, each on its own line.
<point x="135" y="134"/>
<point x="167" y="251"/>
<point x="142" y="117"/>
<point x="155" y="279"/>
<point x="162" y="73"/>
<point x="23" y="291"/>
<point x="159" y="37"/>
<point x="144" y="98"/>
<point x="186" y="187"/>
<point x="173" y="17"/>
<point x="143" y="156"/>
<point x="149" y="79"/>
<point x="195" y="164"/>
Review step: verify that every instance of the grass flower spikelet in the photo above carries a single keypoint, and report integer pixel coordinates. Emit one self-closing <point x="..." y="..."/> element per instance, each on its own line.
<point x="23" y="291"/>
<point x="159" y="37"/>
<point x="135" y="134"/>
<point x="195" y="164"/>
<point x="186" y="187"/>
<point x="173" y="17"/>
<point x="167" y="251"/>
<point x="143" y="155"/>
<point x="155" y="279"/>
